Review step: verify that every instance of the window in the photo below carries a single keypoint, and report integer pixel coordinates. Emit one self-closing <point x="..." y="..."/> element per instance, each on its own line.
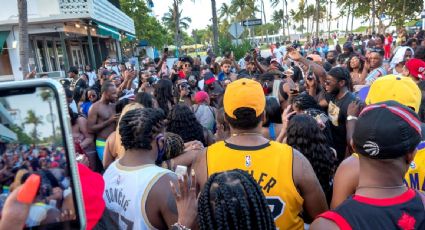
<point x="59" y="50"/>
<point x="41" y="57"/>
<point x="5" y="66"/>
<point x="52" y="55"/>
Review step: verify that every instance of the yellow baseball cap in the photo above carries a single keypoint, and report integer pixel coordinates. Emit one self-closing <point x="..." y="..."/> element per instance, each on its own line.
<point x="244" y="93"/>
<point x="397" y="88"/>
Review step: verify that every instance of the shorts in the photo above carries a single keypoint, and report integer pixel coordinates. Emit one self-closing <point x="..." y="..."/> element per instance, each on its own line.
<point x="100" y="147"/>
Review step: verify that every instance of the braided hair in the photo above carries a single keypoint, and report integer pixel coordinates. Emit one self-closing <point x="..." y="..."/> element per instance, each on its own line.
<point x="233" y="200"/>
<point x="138" y="127"/>
<point x="182" y="121"/>
<point x="304" y="134"/>
<point x="174" y="146"/>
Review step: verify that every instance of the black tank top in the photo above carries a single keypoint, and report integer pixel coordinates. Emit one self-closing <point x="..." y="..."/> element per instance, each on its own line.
<point x="404" y="212"/>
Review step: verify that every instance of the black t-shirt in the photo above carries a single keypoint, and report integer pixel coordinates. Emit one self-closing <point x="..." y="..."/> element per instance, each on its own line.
<point x="337" y="111"/>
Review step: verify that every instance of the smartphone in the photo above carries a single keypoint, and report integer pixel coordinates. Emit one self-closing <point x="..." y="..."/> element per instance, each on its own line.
<point x="181" y="171"/>
<point x="35" y="137"/>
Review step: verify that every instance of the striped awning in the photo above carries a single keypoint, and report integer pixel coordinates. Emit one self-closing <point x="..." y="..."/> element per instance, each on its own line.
<point x="7" y="135"/>
<point x="105" y="30"/>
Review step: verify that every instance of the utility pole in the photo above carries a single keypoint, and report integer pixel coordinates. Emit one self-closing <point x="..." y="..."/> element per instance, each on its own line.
<point x="373" y="16"/>
<point x="265" y="20"/>
<point x="329" y="18"/>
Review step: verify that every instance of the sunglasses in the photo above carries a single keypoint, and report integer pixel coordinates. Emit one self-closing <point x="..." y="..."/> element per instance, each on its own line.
<point x="186" y="65"/>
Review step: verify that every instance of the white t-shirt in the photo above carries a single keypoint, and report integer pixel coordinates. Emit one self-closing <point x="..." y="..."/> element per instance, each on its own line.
<point x="73" y="106"/>
<point x="278" y="55"/>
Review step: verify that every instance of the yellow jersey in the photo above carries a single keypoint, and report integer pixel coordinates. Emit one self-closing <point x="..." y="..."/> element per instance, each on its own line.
<point x="271" y="166"/>
<point x="415" y="176"/>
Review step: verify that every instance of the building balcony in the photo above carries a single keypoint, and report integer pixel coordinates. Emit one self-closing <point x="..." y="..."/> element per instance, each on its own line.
<point x="40" y="11"/>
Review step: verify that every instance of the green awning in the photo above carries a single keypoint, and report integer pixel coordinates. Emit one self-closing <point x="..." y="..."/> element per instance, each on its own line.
<point x="7" y="135"/>
<point x="106" y="30"/>
<point x="3" y="37"/>
<point x="130" y="37"/>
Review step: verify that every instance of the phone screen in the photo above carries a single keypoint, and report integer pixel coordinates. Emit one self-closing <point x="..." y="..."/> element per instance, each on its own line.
<point x="33" y="140"/>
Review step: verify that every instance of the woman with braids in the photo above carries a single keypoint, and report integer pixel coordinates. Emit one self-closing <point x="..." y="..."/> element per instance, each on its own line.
<point x="306" y="104"/>
<point x="229" y="200"/>
<point x="182" y="121"/>
<point x="145" y="199"/>
<point x="304" y="134"/>
<point x="164" y="95"/>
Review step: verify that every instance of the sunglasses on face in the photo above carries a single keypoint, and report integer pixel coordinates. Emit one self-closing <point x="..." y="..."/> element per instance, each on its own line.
<point x="186" y="65"/>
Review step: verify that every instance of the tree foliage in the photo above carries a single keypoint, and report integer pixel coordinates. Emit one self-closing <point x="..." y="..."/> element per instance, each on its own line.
<point x="147" y="26"/>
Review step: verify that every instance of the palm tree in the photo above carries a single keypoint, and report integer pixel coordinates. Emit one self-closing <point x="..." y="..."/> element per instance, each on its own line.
<point x="24" y="52"/>
<point x="173" y="20"/>
<point x="47" y="97"/>
<point x="215" y="25"/>
<point x="309" y="12"/>
<point x="225" y="12"/>
<point x="317" y="18"/>
<point x="244" y="9"/>
<point x="278" y="18"/>
<point x="33" y="119"/>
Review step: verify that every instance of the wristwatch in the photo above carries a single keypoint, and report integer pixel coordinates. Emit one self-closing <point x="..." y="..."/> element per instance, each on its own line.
<point x="350" y="118"/>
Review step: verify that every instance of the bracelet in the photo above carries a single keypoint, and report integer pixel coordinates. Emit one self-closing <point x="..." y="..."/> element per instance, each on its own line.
<point x="178" y="226"/>
<point x="351" y="118"/>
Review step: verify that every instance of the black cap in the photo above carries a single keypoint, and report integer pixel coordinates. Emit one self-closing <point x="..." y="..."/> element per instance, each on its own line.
<point x="387" y="130"/>
<point x="73" y="69"/>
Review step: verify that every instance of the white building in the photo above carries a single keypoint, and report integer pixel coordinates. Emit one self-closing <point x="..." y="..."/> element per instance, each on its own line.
<point x="62" y="33"/>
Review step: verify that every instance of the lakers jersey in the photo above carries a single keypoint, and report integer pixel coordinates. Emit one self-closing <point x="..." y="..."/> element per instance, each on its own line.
<point x="415" y="176"/>
<point x="271" y="166"/>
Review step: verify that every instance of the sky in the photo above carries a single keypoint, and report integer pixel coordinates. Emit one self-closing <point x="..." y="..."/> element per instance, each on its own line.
<point x="200" y="11"/>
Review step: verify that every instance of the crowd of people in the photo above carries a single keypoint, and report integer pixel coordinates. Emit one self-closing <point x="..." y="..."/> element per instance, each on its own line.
<point x="309" y="137"/>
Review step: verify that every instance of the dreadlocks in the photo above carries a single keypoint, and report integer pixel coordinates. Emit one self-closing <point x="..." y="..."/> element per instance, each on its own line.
<point x="138" y="127"/>
<point x="233" y="200"/>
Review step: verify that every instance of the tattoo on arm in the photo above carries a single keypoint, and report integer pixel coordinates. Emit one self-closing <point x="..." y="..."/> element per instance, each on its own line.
<point x="171" y="203"/>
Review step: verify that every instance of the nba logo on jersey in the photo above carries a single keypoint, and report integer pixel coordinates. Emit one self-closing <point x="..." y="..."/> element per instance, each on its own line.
<point x="247" y="160"/>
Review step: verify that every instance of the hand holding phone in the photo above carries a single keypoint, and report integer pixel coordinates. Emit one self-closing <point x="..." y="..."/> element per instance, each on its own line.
<point x="21" y="96"/>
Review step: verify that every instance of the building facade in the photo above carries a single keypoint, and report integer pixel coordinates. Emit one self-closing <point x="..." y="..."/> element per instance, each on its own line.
<point x="62" y="33"/>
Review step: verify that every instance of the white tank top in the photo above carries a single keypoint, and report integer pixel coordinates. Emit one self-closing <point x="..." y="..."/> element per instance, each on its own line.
<point x="126" y="192"/>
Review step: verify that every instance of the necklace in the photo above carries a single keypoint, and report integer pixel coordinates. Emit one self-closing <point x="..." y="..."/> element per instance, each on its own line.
<point x="246" y="134"/>
<point x="382" y="187"/>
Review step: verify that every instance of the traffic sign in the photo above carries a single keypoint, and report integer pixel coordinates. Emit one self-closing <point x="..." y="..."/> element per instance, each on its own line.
<point x="236" y="30"/>
<point x="252" y="22"/>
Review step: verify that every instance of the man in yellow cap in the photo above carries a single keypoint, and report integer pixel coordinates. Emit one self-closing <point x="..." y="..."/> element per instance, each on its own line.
<point x="285" y="175"/>
<point x="406" y="92"/>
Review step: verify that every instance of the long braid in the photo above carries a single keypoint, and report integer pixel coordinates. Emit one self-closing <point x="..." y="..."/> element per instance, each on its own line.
<point x="238" y="203"/>
<point x="204" y="207"/>
<point x="260" y="205"/>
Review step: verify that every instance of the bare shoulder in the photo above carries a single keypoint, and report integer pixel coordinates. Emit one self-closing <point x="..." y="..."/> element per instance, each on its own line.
<point x="349" y="168"/>
<point x="323" y="224"/>
<point x="302" y="169"/>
